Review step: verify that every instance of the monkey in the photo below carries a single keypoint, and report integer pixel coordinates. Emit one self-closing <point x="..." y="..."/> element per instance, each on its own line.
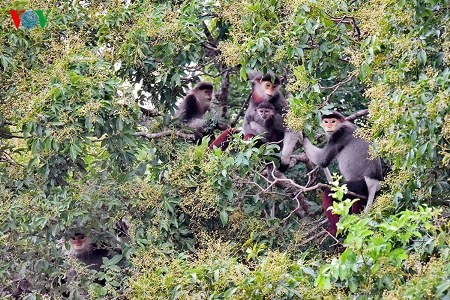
<point x="267" y="122"/>
<point x="81" y="248"/>
<point x="264" y="89"/>
<point x="267" y="89"/>
<point x="195" y="105"/>
<point x="361" y="173"/>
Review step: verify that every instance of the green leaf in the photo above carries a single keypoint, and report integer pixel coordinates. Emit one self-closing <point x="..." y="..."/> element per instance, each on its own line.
<point x="422" y="57"/>
<point x="441" y="288"/>
<point x="112" y="261"/>
<point x="224" y="217"/>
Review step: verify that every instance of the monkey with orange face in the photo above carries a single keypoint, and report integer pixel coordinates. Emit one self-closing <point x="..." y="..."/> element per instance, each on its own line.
<point x="361" y="173"/>
<point x="265" y="89"/>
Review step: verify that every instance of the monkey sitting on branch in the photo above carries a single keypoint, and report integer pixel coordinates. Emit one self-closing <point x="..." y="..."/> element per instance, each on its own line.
<point x="361" y="173"/>
<point x="194" y="106"/>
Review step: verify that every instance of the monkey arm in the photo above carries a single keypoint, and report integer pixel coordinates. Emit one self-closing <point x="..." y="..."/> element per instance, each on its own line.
<point x="277" y="123"/>
<point x="320" y="157"/>
<point x="290" y="139"/>
<point x="279" y="102"/>
<point x="248" y="118"/>
<point x="191" y="107"/>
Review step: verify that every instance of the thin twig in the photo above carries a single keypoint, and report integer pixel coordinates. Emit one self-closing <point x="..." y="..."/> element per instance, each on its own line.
<point x="241" y="111"/>
<point x="187" y="136"/>
<point x="314" y="228"/>
<point x="335" y="88"/>
<point x="297" y="208"/>
<point x="333" y="237"/>
<point x="317" y="235"/>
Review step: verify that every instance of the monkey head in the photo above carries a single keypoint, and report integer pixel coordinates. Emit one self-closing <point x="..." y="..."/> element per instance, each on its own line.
<point x="266" y="110"/>
<point x="332" y="122"/>
<point x="79" y="242"/>
<point x="203" y="91"/>
<point x="265" y="87"/>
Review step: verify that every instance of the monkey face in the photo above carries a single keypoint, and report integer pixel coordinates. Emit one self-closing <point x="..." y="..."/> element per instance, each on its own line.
<point x="268" y="87"/>
<point x="207" y="94"/>
<point x="330" y="125"/>
<point x="266" y="113"/>
<point x="78" y="241"/>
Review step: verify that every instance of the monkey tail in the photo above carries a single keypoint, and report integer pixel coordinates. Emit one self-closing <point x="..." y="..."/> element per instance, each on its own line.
<point x="327" y="201"/>
<point x="222" y="141"/>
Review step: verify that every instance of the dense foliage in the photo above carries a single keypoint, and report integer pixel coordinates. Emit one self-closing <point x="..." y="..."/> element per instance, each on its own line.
<point x="76" y="152"/>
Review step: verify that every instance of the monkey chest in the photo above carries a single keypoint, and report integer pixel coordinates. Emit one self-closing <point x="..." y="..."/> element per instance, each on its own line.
<point x="353" y="163"/>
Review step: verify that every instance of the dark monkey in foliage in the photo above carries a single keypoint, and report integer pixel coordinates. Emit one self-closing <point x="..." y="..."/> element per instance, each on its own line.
<point x="195" y="105"/>
<point x="82" y="249"/>
<point x="361" y="173"/>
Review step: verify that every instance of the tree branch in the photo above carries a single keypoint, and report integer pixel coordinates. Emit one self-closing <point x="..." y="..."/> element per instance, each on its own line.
<point x="187" y="136"/>
<point x="347" y="20"/>
<point x="357" y="114"/>
<point x="335" y="88"/>
<point x="223" y="94"/>
<point x="241" y="112"/>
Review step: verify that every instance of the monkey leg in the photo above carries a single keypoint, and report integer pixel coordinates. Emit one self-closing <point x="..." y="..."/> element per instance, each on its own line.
<point x="373" y="186"/>
<point x="358" y="187"/>
<point x="289" y="142"/>
<point x="222" y="140"/>
<point x="248" y="136"/>
<point x="327" y="201"/>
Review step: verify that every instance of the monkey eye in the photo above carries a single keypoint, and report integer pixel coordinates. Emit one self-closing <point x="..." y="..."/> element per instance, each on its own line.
<point x="78" y="236"/>
<point x="334" y="121"/>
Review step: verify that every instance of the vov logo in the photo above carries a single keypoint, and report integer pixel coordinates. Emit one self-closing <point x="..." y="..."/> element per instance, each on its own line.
<point x="29" y="18"/>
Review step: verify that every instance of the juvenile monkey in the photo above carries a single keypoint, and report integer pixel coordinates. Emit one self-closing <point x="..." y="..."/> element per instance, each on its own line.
<point x="267" y="122"/>
<point x="361" y="173"/>
<point x="195" y="105"/>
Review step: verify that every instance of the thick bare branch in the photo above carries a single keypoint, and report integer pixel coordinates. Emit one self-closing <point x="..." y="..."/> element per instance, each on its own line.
<point x="222" y="96"/>
<point x="357" y="115"/>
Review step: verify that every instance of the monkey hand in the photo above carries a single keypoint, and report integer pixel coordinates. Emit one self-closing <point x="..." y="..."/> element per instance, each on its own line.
<point x="284" y="163"/>
<point x="301" y="137"/>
